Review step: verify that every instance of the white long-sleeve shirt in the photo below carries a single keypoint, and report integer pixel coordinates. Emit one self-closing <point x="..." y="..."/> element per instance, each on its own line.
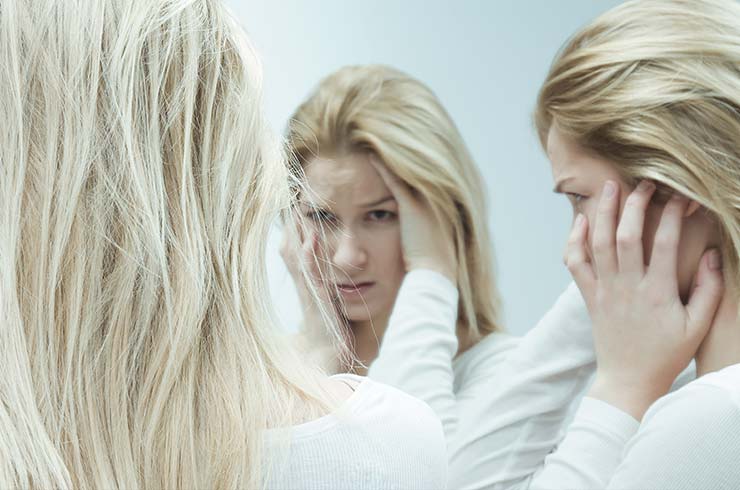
<point x="504" y="403"/>
<point x="379" y="438"/>
<point x="688" y="440"/>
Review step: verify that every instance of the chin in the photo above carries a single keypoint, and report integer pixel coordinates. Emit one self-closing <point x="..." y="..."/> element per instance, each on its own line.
<point x="362" y="313"/>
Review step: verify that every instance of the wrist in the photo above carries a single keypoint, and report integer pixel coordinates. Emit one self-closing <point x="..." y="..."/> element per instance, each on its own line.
<point x="447" y="271"/>
<point x="628" y="396"/>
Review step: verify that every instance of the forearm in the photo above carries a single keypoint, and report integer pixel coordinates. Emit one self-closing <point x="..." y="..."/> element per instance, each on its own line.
<point x="420" y="342"/>
<point x="519" y="417"/>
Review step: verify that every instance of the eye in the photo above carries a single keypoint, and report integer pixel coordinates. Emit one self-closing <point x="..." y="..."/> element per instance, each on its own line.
<point x="320" y="216"/>
<point x="575" y="198"/>
<point x="381" y="215"/>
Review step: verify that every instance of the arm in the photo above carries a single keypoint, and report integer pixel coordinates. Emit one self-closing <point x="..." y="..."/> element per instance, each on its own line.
<point x="518" y="418"/>
<point x="687" y="440"/>
<point x="420" y="343"/>
<point x="420" y="339"/>
<point x="643" y="333"/>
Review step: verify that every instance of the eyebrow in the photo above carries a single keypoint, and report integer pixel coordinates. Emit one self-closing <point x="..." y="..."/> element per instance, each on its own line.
<point x="559" y="186"/>
<point x="378" y="202"/>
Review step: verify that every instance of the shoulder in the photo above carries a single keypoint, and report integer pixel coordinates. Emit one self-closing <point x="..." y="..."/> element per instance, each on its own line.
<point x="689" y="436"/>
<point x="378" y="438"/>
<point x="710" y="396"/>
<point x="394" y="412"/>
<point x="398" y="437"/>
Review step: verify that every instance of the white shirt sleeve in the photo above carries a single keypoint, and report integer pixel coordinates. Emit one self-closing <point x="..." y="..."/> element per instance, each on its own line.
<point x="592" y="450"/>
<point x="688" y="440"/>
<point x="420" y="343"/>
<point x="502" y="438"/>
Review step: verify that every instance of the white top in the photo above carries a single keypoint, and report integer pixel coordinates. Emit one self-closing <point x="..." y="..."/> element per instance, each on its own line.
<point x="379" y="438"/>
<point x="504" y="403"/>
<point x="688" y="440"/>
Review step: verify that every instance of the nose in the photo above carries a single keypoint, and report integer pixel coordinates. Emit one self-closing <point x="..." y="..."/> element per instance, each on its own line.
<point x="349" y="252"/>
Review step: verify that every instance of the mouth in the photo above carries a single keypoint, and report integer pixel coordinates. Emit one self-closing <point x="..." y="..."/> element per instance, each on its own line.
<point x="354" y="289"/>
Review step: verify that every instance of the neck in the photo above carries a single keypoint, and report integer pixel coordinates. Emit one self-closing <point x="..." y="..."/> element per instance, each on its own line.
<point x="367" y="336"/>
<point x="721" y="347"/>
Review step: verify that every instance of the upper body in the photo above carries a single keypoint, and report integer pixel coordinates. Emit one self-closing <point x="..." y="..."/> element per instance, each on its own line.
<point x="641" y="134"/>
<point x="387" y="186"/>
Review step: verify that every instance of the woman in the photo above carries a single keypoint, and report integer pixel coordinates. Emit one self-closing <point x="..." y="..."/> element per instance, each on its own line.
<point x="648" y="97"/>
<point x="137" y="184"/>
<point x="408" y="263"/>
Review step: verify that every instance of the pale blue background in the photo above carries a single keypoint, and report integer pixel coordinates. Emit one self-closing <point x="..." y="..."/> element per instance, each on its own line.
<point x="485" y="59"/>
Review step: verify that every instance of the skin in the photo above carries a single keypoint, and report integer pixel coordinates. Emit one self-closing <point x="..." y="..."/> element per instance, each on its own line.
<point x="581" y="175"/>
<point x="649" y="274"/>
<point x="362" y="243"/>
<point x="378" y="229"/>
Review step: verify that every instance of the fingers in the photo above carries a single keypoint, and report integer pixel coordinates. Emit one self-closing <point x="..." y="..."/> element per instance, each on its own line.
<point x="576" y="257"/>
<point x="400" y="190"/>
<point x="629" y="232"/>
<point x="664" y="256"/>
<point x="604" y="249"/>
<point x="706" y="295"/>
<point x="292" y="238"/>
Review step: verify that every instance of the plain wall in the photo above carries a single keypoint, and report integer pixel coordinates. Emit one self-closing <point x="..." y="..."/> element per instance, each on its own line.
<point x="485" y="60"/>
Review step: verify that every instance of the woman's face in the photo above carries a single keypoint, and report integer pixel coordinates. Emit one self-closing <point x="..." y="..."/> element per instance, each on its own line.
<point x="580" y="176"/>
<point x="363" y="237"/>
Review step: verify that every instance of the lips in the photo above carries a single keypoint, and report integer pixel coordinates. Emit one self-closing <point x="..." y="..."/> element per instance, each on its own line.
<point x="356" y="288"/>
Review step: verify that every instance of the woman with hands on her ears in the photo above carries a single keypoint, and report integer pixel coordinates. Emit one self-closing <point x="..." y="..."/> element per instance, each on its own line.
<point x="647" y="96"/>
<point x="404" y="257"/>
<point x="644" y="334"/>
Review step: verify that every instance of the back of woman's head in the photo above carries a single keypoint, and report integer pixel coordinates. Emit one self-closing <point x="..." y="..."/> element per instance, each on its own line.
<point x="654" y="86"/>
<point x="137" y="184"/>
<point x="381" y="110"/>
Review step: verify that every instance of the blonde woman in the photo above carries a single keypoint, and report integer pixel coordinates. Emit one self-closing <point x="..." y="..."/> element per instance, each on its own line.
<point x="137" y="349"/>
<point x="647" y="97"/>
<point x="391" y="182"/>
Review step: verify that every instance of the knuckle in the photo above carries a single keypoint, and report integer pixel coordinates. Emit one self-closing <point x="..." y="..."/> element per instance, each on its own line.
<point x="627" y="239"/>
<point x="601" y="246"/>
<point x="664" y="241"/>
<point x="636" y="200"/>
<point x="573" y="266"/>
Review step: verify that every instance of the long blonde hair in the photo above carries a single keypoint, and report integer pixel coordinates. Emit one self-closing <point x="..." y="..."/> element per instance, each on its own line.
<point x="382" y="110"/>
<point x="137" y="185"/>
<point x="654" y="86"/>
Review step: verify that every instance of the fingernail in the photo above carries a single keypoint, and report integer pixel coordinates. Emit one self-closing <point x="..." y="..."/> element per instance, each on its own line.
<point x="609" y="188"/>
<point x="579" y="220"/>
<point x="645" y="186"/>
<point x="715" y="260"/>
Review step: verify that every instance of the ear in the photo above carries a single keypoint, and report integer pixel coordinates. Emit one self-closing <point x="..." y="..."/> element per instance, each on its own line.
<point x="691" y="209"/>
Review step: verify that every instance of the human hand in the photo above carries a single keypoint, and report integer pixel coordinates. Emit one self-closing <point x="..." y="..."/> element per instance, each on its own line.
<point x="426" y="240"/>
<point x="643" y="333"/>
<point x="302" y="254"/>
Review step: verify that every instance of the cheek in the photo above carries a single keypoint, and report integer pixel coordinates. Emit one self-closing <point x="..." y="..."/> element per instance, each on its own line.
<point x="690" y="249"/>
<point x="387" y="253"/>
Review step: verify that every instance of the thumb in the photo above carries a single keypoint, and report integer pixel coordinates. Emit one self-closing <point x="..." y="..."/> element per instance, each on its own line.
<point x="706" y="294"/>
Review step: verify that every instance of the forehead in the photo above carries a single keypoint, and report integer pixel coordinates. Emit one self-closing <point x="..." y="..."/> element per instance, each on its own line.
<point x="568" y="159"/>
<point x="349" y="179"/>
